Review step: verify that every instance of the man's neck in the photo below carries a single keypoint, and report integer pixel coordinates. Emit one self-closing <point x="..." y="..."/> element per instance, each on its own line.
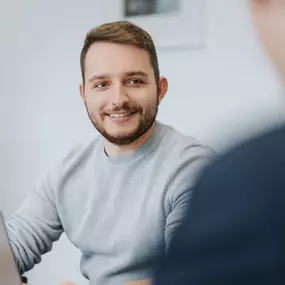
<point x="113" y="150"/>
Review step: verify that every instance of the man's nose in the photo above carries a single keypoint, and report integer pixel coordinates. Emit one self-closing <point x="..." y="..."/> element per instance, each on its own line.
<point x="120" y="96"/>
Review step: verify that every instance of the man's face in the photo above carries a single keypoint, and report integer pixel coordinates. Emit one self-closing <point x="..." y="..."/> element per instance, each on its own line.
<point x="269" y="19"/>
<point x="120" y="92"/>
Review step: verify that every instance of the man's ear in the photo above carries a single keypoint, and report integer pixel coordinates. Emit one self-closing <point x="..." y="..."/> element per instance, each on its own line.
<point x="81" y="89"/>
<point x="162" y="88"/>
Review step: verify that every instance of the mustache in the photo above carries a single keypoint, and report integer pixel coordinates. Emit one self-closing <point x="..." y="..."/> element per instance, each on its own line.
<point x="127" y="109"/>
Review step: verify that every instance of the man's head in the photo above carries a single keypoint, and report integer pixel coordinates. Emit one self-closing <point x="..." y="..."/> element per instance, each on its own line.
<point x="269" y="20"/>
<point x="121" y="86"/>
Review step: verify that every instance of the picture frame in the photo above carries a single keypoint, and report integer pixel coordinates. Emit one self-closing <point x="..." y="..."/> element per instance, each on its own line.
<point x="184" y="27"/>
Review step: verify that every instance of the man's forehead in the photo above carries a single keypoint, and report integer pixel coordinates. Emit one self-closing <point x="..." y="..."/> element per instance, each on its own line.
<point x="117" y="68"/>
<point x="104" y="48"/>
<point x="108" y="53"/>
<point x="116" y="60"/>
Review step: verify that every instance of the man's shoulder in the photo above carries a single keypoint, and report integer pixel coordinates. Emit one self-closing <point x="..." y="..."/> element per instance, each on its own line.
<point x="82" y="150"/>
<point x="76" y="157"/>
<point x="182" y="146"/>
<point x="184" y="158"/>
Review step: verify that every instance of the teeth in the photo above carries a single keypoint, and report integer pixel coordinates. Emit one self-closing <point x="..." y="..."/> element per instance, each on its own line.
<point x="119" y="115"/>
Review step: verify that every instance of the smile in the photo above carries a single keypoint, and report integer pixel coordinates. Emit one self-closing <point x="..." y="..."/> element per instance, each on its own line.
<point x="115" y="116"/>
<point x="119" y="118"/>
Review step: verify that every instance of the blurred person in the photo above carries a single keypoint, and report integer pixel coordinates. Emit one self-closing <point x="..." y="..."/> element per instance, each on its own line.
<point x="120" y="197"/>
<point x="234" y="230"/>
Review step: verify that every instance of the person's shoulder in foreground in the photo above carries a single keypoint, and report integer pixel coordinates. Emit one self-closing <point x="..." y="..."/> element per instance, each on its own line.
<point x="234" y="230"/>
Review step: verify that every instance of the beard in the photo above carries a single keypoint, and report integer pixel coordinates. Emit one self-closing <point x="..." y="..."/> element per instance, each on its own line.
<point x="147" y="118"/>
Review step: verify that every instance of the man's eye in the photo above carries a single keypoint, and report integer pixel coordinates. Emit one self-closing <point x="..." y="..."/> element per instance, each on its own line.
<point x="135" y="81"/>
<point x="101" y="85"/>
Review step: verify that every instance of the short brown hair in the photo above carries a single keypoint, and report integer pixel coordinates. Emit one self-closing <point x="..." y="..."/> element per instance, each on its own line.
<point x="121" y="32"/>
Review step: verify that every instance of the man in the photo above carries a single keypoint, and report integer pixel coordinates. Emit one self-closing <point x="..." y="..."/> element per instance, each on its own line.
<point x="234" y="230"/>
<point x="120" y="198"/>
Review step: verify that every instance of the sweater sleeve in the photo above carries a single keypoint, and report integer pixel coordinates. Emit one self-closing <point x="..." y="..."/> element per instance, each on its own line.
<point x="35" y="226"/>
<point x="185" y="173"/>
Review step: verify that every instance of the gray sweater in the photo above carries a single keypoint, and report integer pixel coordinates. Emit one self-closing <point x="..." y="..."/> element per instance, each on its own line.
<point x="120" y="212"/>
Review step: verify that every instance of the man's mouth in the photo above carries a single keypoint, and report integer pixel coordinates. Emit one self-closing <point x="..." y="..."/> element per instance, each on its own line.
<point x="121" y="115"/>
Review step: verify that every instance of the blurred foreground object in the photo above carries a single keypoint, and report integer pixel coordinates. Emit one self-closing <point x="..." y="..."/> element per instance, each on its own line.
<point x="234" y="231"/>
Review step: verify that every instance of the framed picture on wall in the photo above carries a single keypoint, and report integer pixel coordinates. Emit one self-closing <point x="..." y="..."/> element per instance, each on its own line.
<point x="171" y="23"/>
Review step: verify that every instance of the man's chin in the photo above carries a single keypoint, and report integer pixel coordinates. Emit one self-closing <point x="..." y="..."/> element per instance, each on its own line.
<point x="120" y="132"/>
<point x="121" y="139"/>
<point x="123" y="135"/>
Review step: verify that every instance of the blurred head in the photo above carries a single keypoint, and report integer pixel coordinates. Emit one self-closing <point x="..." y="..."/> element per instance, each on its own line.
<point x="269" y="20"/>
<point x="121" y="85"/>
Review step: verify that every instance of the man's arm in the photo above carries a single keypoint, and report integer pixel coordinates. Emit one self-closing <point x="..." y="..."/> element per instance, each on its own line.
<point x="35" y="226"/>
<point x="184" y="176"/>
<point x="186" y="171"/>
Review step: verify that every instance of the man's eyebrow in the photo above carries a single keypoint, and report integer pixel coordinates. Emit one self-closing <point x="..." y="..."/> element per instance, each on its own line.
<point x="127" y="74"/>
<point x="136" y="73"/>
<point x="98" y="77"/>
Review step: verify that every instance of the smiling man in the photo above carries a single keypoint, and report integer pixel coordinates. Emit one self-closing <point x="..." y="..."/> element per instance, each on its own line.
<point x="121" y="93"/>
<point x="119" y="198"/>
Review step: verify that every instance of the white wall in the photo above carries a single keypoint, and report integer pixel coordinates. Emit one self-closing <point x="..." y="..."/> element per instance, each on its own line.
<point x="221" y="95"/>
